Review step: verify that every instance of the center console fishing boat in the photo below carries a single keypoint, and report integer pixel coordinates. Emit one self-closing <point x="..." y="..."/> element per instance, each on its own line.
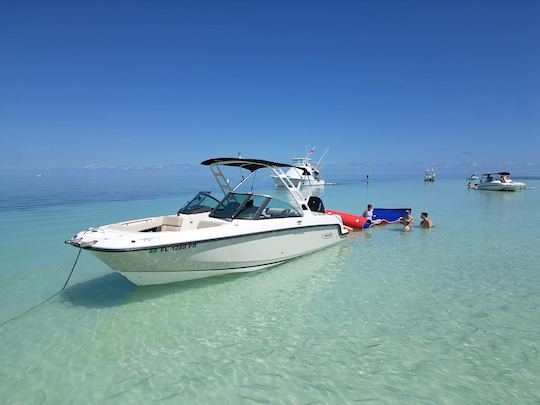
<point x="241" y="233"/>
<point x="303" y="172"/>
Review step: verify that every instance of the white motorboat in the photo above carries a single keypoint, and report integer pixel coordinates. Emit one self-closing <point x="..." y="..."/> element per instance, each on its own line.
<point x="241" y="233"/>
<point x="429" y="175"/>
<point x="302" y="172"/>
<point x="500" y="181"/>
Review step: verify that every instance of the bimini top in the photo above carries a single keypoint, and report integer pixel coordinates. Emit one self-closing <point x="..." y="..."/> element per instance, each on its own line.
<point x="499" y="173"/>
<point x="249" y="164"/>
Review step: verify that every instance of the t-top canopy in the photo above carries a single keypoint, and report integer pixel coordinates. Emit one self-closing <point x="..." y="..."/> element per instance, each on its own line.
<point x="249" y="164"/>
<point x="499" y="173"/>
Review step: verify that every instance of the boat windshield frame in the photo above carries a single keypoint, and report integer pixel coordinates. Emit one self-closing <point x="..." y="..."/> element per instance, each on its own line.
<point x="304" y="161"/>
<point x="234" y="204"/>
<point x="194" y="206"/>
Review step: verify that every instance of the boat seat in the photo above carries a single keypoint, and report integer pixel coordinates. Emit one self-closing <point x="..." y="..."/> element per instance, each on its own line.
<point x="279" y="213"/>
<point x="171" y="224"/>
<point x="274" y="212"/>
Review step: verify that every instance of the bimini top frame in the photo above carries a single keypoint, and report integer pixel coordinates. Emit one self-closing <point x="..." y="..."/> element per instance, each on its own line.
<point x="253" y="165"/>
<point x="249" y="164"/>
<point x="497" y="173"/>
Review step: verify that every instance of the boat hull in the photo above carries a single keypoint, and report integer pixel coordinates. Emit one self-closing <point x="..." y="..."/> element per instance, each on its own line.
<point x="208" y="258"/>
<point x="142" y="279"/>
<point x="497" y="186"/>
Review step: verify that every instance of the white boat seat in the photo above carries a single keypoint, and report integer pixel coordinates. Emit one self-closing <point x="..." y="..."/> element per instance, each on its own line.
<point x="171" y="224"/>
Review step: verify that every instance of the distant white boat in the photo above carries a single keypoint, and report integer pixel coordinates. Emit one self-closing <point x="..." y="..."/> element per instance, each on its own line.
<point x="303" y="172"/>
<point x="499" y="181"/>
<point x="429" y="175"/>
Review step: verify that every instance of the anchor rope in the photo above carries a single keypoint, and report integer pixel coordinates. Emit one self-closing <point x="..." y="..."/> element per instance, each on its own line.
<point x="36" y="306"/>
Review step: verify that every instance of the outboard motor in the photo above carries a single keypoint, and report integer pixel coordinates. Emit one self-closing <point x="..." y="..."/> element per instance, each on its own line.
<point x="315" y="204"/>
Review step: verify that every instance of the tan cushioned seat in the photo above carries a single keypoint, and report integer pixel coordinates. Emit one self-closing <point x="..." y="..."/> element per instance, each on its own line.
<point x="171" y="224"/>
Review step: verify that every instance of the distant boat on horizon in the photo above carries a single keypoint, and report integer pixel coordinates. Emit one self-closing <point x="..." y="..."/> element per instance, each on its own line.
<point x="503" y="182"/>
<point x="429" y="175"/>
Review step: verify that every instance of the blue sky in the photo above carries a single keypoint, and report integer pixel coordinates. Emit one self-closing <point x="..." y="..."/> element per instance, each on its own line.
<point x="387" y="84"/>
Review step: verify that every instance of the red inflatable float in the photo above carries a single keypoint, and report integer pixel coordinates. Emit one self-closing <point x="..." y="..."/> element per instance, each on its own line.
<point x="353" y="221"/>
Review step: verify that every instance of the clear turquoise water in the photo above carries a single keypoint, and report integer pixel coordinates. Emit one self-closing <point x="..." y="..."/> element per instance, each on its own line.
<point x="447" y="315"/>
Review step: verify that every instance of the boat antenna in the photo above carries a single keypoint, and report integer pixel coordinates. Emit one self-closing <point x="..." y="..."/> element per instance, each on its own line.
<point x="319" y="162"/>
<point x="239" y="156"/>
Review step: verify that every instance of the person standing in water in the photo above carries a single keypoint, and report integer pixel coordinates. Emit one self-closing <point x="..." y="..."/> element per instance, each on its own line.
<point x="407" y="221"/>
<point x="426" y="222"/>
<point x="368" y="213"/>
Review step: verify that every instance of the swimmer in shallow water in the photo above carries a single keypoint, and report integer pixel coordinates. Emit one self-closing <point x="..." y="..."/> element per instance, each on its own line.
<point x="426" y="222"/>
<point x="368" y="214"/>
<point x="406" y="221"/>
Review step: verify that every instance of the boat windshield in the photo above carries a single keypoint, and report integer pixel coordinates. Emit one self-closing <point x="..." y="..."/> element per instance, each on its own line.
<point x="300" y="161"/>
<point x="202" y="202"/>
<point x="252" y="206"/>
